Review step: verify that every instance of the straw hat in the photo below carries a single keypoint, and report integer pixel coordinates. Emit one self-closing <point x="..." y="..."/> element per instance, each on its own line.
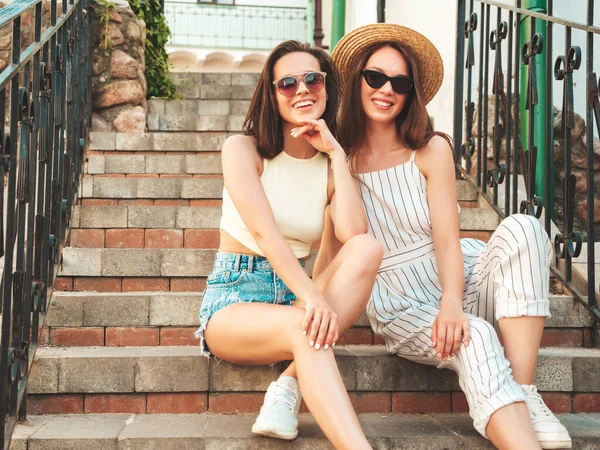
<point x="431" y="67"/>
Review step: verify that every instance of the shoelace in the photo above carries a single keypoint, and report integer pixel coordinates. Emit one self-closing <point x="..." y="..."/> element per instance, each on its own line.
<point x="285" y="395"/>
<point x="537" y="404"/>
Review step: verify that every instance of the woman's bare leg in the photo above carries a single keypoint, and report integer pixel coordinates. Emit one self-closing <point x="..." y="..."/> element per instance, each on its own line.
<point x="522" y="337"/>
<point x="346" y="283"/>
<point x="273" y="333"/>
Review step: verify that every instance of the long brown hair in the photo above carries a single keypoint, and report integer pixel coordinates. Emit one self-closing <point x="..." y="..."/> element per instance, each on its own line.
<point x="263" y="121"/>
<point x="413" y="125"/>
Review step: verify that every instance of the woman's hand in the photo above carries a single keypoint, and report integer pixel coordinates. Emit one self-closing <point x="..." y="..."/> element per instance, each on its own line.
<point x="318" y="135"/>
<point x="320" y="323"/>
<point x="448" y="328"/>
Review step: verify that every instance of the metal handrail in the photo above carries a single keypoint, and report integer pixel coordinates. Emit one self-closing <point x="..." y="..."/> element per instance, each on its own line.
<point x="515" y="154"/>
<point x="48" y="87"/>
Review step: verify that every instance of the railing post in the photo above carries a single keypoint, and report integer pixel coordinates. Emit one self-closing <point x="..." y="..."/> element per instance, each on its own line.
<point x="458" y="80"/>
<point x="338" y="23"/>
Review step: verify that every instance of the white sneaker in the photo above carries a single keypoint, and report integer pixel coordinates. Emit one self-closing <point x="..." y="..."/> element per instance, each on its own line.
<point x="549" y="431"/>
<point x="278" y="416"/>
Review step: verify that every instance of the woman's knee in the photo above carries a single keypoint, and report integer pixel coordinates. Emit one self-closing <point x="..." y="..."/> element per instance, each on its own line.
<point x="366" y="250"/>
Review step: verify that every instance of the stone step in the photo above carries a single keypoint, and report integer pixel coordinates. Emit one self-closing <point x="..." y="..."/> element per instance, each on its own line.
<point x="194" y="122"/>
<point x="157" y="141"/>
<point x="198" y="187"/>
<point x="63" y="370"/>
<point x="143" y="187"/>
<point x="219" y="431"/>
<point x="179" y="309"/>
<point x="161" y="107"/>
<point x="221" y="86"/>
<point x="208" y="217"/>
<point x="209" y="163"/>
<point x="170" y="319"/>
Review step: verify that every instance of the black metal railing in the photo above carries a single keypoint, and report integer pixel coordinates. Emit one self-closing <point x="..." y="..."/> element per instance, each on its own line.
<point x="47" y="86"/>
<point x="530" y="142"/>
<point x="234" y="26"/>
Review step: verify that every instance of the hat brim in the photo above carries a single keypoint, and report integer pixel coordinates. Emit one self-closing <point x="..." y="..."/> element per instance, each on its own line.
<point x="431" y="67"/>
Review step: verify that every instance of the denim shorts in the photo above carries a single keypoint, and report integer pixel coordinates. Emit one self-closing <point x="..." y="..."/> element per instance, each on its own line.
<point x="236" y="279"/>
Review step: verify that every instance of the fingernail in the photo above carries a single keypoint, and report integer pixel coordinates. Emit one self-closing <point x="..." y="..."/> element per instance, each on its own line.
<point x="311" y="343"/>
<point x="325" y="347"/>
<point x="333" y="345"/>
<point x="439" y="355"/>
<point x="451" y="354"/>
<point x="317" y="347"/>
<point x="303" y="332"/>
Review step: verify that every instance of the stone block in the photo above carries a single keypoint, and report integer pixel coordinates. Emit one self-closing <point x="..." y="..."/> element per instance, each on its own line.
<point x="174" y="310"/>
<point x="170" y="188"/>
<point x="208" y="141"/>
<point x="244" y="79"/>
<point x="198" y="217"/>
<point x="75" y="217"/>
<point x="201" y="188"/>
<point x="586" y="372"/>
<point x="171" y="369"/>
<point x="465" y="191"/>
<point x="103" y="216"/>
<point x="103" y="140"/>
<point x="568" y="312"/>
<point x="554" y="374"/>
<point x="213" y="107"/>
<point x="135" y="141"/>
<point x="66" y="310"/>
<point x="116" y="310"/>
<point x="103" y="370"/>
<point x="375" y="374"/>
<point x="236" y="123"/>
<point x="84" y="262"/>
<point x="181" y="107"/>
<point x="216" y="92"/>
<point x="187" y="262"/>
<point x="87" y="187"/>
<point x="153" y="122"/>
<point x="152" y="216"/>
<point x="156" y="106"/>
<point x="164" y="431"/>
<point x="95" y="164"/>
<point x="188" y="89"/>
<point x="125" y="164"/>
<point x="242" y="92"/>
<point x="239" y="107"/>
<point x="203" y="164"/>
<point x="212" y="123"/>
<point x="115" y="187"/>
<point x="220" y="78"/>
<point x="165" y="142"/>
<point x="478" y="219"/>
<point x="131" y="262"/>
<point x="165" y="164"/>
<point x="43" y="378"/>
<point x="227" y="377"/>
<point x="177" y="123"/>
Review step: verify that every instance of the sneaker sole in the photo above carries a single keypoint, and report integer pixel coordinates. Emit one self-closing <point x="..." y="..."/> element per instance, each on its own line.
<point x="274" y="434"/>
<point x="556" y="444"/>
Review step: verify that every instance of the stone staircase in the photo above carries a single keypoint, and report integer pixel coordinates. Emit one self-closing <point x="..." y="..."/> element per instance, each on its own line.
<point x="121" y="368"/>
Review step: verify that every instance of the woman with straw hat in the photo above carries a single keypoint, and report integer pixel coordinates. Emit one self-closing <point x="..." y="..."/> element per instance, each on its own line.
<point x="436" y="297"/>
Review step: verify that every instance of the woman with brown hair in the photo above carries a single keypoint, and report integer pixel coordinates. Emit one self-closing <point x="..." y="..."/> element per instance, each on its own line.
<point x="437" y="297"/>
<point x="260" y="307"/>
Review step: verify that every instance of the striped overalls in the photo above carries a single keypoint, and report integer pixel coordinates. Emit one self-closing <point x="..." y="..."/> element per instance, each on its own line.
<point x="508" y="277"/>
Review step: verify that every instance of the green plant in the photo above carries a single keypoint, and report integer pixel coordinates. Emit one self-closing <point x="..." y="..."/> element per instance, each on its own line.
<point x="104" y="16"/>
<point x="157" y="36"/>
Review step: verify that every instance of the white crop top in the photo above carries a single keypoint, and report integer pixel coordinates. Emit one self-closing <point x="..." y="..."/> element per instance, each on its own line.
<point x="297" y="192"/>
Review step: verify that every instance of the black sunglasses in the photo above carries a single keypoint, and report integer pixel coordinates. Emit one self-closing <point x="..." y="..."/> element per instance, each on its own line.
<point x="288" y="85"/>
<point x="401" y="84"/>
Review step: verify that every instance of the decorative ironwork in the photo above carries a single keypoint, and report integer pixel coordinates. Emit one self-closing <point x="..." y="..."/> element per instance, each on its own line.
<point x="39" y="83"/>
<point x="522" y="157"/>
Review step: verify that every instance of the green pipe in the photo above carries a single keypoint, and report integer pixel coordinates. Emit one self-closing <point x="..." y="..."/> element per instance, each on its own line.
<point x="310" y="21"/>
<point x="540" y="119"/>
<point x="338" y="22"/>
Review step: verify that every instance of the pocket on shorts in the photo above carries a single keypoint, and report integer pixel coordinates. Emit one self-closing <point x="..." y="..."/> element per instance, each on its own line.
<point x="225" y="278"/>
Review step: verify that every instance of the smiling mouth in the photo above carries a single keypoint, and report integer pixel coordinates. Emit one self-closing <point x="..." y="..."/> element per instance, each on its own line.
<point x="382" y="104"/>
<point x="304" y="104"/>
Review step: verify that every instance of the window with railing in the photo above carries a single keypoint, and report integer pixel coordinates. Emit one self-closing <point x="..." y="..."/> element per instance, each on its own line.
<point x="224" y="24"/>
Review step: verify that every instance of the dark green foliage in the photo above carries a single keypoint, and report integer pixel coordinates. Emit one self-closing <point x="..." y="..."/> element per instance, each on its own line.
<point x="157" y="36"/>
